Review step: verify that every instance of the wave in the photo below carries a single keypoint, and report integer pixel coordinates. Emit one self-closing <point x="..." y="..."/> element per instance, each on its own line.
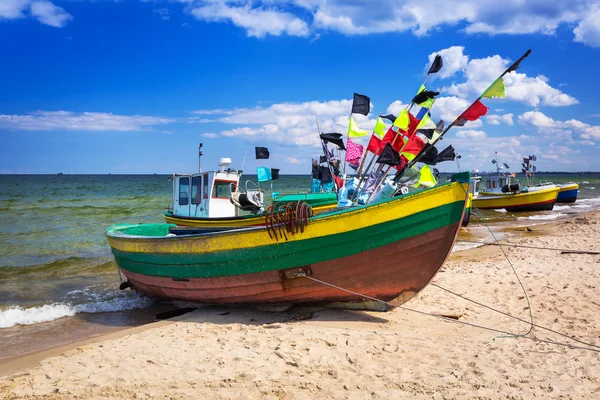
<point x="585" y="182"/>
<point x="65" y="267"/>
<point x="543" y="217"/>
<point x="591" y="188"/>
<point x="16" y="315"/>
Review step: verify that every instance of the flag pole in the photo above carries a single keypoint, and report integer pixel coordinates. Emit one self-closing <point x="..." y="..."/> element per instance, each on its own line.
<point x="324" y="146"/>
<point x="410" y="164"/>
<point x="429" y="72"/>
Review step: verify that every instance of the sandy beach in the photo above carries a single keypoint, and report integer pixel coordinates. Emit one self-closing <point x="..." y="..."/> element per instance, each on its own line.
<point x="307" y="353"/>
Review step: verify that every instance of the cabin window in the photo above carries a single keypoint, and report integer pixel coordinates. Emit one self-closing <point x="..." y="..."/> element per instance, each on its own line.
<point x="488" y="184"/>
<point x="196" y="189"/>
<point x="494" y="184"/>
<point x="206" y="185"/>
<point x="184" y="188"/>
<point x="222" y="189"/>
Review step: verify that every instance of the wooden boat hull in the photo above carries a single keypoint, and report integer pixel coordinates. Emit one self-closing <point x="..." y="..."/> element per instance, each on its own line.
<point x="539" y="200"/>
<point x="389" y="250"/>
<point x="568" y="193"/>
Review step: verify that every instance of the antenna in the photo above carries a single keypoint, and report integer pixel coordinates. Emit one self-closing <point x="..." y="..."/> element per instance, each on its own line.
<point x="199" y="157"/>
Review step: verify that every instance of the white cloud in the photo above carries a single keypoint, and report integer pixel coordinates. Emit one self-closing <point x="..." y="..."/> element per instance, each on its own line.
<point x="164" y="13"/>
<point x="258" y="21"/>
<point x="396" y="107"/>
<point x="453" y="59"/>
<point x="495" y="119"/>
<point x="481" y="72"/>
<point x="44" y="11"/>
<point x="471" y="134"/>
<point x="86" y="121"/>
<point x="560" y="129"/>
<point x="588" y="30"/>
<point x="210" y="135"/>
<point x="293" y="160"/>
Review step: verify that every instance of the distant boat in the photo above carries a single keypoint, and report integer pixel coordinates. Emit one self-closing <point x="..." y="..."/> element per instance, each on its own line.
<point x="60" y="173"/>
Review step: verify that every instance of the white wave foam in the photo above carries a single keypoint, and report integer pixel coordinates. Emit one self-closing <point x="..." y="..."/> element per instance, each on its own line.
<point x="558" y="208"/>
<point x="17" y="315"/>
<point x="585" y="182"/>
<point x="544" y="216"/>
<point x="591" y="188"/>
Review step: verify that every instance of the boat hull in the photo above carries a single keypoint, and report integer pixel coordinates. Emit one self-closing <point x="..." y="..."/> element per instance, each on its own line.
<point x="388" y="250"/>
<point x="539" y="200"/>
<point x="568" y="193"/>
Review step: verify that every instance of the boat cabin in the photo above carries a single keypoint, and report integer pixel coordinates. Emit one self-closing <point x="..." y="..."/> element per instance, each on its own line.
<point x="501" y="183"/>
<point x="206" y="194"/>
<point x="474" y="185"/>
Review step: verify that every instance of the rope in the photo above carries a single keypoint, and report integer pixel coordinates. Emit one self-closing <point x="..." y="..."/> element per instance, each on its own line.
<point x="530" y="247"/>
<point x="511" y="266"/>
<point x="509" y="334"/>
<point x="287" y="217"/>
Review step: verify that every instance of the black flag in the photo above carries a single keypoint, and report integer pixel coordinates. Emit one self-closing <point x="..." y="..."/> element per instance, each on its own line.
<point x="262" y="153"/>
<point x="533" y="158"/>
<point x="427" y="132"/>
<point x="423" y="96"/>
<point x="322" y="159"/>
<point x="506" y="165"/>
<point x="335" y="138"/>
<point x="436" y="65"/>
<point x="516" y="64"/>
<point x="274" y="174"/>
<point x="389" y="156"/>
<point x="447" y="154"/>
<point x="361" y="104"/>
<point x="391" y="117"/>
<point x="440" y="125"/>
<point x="430" y="154"/>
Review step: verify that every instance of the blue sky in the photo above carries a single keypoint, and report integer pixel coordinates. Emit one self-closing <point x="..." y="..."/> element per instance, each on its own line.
<point x="134" y="86"/>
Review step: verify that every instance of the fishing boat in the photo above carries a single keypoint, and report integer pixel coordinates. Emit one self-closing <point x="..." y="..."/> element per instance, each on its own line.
<point x="386" y="250"/>
<point x="501" y="193"/>
<point x="568" y="191"/>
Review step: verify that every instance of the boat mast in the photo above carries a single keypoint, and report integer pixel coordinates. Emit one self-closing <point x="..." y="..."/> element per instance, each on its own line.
<point x="199" y="156"/>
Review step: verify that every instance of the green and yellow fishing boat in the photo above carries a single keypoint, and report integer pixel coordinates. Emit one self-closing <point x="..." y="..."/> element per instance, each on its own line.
<point x="386" y="250"/>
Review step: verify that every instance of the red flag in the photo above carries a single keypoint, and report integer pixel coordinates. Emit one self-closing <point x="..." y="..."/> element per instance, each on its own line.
<point x="473" y="113"/>
<point x="403" y="162"/>
<point x="414" y="145"/>
<point x="374" y="144"/>
<point x="412" y="126"/>
<point x="393" y="138"/>
<point x="338" y="181"/>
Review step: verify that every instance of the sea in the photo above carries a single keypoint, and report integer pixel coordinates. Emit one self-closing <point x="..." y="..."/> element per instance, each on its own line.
<point x="58" y="279"/>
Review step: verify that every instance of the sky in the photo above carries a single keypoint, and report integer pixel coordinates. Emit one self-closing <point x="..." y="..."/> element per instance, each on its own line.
<point x="132" y="87"/>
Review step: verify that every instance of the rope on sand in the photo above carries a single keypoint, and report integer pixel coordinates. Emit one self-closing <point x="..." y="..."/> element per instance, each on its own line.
<point x="563" y="251"/>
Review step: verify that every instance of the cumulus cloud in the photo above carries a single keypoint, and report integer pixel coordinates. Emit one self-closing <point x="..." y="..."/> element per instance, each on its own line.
<point x="533" y="91"/>
<point x="44" y="11"/>
<point x="472" y="134"/>
<point x="496" y="119"/>
<point x="258" y="21"/>
<point x="563" y="129"/>
<point x="588" y="30"/>
<point x="86" y="121"/>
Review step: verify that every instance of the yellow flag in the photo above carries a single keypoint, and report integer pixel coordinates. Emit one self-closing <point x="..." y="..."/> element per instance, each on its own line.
<point x="426" y="177"/>
<point x="354" y="130"/>
<point x="379" y="128"/>
<point x="426" y="122"/>
<point x="403" y="120"/>
<point x="427" y="103"/>
<point x="496" y="89"/>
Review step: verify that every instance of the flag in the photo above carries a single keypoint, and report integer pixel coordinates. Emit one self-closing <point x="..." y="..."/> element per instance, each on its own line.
<point x="354" y="152"/>
<point x="440" y="125"/>
<point x="426" y="177"/>
<point x="403" y="120"/>
<point x="496" y="89"/>
<point x="390" y="117"/>
<point x="526" y="160"/>
<point x="533" y="158"/>
<point x="506" y="165"/>
<point x="429" y="155"/>
<point x="516" y="64"/>
<point x="263" y="173"/>
<point x="473" y="113"/>
<point x="361" y="104"/>
<point x="534" y="169"/>
<point x="379" y="129"/>
<point x="414" y="145"/>
<point x="392" y="137"/>
<point x="262" y="153"/>
<point x="354" y="130"/>
<point x="274" y="173"/>
<point x="426" y="122"/>
<point x="436" y="65"/>
<point x="335" y="138"/>
<point x="425" y="97"/>
<point x="389" y="156"/>
<point x="448" y="154"/>
<point x="374" y="144"/>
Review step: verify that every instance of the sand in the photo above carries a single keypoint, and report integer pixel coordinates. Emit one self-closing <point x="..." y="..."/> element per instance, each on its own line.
<point x="308" y="353"/>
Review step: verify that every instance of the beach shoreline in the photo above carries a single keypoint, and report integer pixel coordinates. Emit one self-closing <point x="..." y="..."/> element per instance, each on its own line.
<point x="315" y="352"/>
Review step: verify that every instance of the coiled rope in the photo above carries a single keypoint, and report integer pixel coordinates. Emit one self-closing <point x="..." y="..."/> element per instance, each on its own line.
<point x="283" y="218"/>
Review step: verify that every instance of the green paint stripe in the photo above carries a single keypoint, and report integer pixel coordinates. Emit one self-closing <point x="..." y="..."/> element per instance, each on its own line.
<point x="280" y="255"/>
